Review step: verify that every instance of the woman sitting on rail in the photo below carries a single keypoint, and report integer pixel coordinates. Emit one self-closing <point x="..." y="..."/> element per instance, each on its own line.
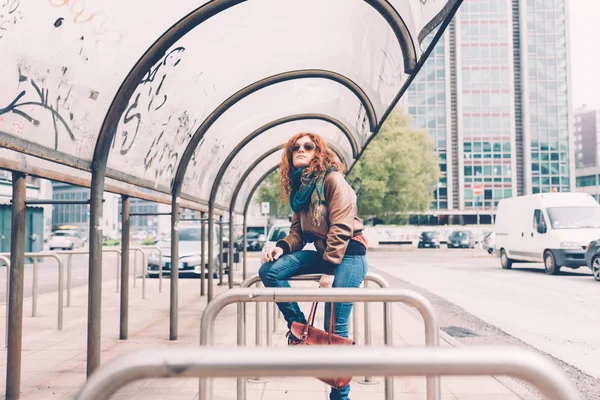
<point x="325" y="213"/>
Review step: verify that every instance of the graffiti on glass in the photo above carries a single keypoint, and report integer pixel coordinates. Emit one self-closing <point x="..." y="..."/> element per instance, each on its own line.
<point x="150" y="96"/>
<point x="163" y="154"/>
<point x="9" y="15"/>
<point x="84" y="12"/>
<point x="32" y="99"/>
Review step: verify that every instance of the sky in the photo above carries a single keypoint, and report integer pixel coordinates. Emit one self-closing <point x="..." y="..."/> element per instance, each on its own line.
<point x="584" y="29"/>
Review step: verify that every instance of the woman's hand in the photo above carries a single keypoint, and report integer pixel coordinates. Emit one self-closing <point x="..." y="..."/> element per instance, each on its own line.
<point x="271" y="254"/>
<point x="326" y="281"/>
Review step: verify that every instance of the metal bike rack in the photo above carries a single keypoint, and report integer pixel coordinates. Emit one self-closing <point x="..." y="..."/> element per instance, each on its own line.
<point x="144" y="267"/>
<point x="160" y="264"/>
<point x="6" y="262"/>
<point x="369" y="277"/>
<point x="61" y="279"/>
<point x="71" y="253"/>
<point x="353" y="295"/>
<point x="207" y="362"/>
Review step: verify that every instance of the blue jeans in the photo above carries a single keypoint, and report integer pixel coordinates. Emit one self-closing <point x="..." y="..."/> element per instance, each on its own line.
<point x="350" y="273"/>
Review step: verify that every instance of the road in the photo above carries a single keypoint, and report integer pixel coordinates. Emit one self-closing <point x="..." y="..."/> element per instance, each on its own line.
<point x="557" y="315"/>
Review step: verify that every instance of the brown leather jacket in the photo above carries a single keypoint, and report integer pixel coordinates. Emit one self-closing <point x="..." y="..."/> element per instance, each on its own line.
<point x="339" y="222"/>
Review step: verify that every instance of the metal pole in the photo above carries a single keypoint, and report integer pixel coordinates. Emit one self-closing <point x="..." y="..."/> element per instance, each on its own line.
<point x="134" y="268"/>
<point x="69" y="265"/>
<point x="94" y="342"/>
<point x="355" y="331"/>
<point x="17" y="270"/>
<point x="245" y="246"/>
<point x="144" y="266"/>
<point x="140" y="250"/>
<point x="211" y="255"/>
<point x="202" y="255"/>
<point x="367" y="323"/>
<point x="34" y="287"/>
<point x="146" y="262"/>
<point x="268" y="318"/>
<point x="161" y="263"/>
<point x="125" y="235"/>
<point x="514" y="361"/>
<point x="388" y="340"/>
<point x="174" y="269"/>
<point x="7" y="263"/>
<point x="257" y="329"/>
<point x="241" y="341"/>
<point x="118" y="266"/>
<point x="221" y="267"/>
<point x="231" y="247"/>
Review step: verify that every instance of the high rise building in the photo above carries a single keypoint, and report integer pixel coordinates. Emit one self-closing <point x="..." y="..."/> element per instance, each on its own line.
<point x="587" y="140"/>
<point x="495" y="98"/>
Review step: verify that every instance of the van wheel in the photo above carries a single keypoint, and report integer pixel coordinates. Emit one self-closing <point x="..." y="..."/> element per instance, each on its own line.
<point x="550" y="263"/>
<point x="505" y="262"/>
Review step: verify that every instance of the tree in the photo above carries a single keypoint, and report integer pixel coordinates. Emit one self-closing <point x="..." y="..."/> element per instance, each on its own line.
<point x="398" y="171"/>
<point x="268" y="191"/>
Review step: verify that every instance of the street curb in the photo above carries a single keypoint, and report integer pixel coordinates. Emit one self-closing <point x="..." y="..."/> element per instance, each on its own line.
<point x="510" y="383"/>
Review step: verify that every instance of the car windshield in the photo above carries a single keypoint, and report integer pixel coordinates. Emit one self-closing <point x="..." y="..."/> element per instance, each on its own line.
<point x="193" y="234"/>
<point x="279" y="233"/>
<point x="63" y="233"/>
<point x="574" y="217"/>
<point x="428" y="235"/>
<point x="189" y="235"/>
<point x="460" y="235"/>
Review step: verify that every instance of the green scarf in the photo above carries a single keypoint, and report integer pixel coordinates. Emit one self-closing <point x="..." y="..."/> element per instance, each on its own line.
<point x="304" y="196"/>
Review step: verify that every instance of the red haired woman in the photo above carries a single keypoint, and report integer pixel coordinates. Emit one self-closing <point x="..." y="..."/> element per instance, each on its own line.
<point x="325" y="213"/>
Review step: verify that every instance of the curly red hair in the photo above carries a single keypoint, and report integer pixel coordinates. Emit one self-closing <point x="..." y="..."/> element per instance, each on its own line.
<point x="323" y="160"/>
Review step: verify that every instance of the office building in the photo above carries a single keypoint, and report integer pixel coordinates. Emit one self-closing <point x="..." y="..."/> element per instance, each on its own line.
<point x="495" y="98"/>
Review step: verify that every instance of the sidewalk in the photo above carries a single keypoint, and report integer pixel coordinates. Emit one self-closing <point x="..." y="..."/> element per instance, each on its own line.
<point x="54" y="362"/>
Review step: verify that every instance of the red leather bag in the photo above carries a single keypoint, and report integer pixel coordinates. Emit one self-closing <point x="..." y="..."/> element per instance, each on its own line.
<point x="308" y="335"/>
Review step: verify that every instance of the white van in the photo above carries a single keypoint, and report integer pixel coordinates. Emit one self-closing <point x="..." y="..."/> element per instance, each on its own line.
<point x="553" y="228"/>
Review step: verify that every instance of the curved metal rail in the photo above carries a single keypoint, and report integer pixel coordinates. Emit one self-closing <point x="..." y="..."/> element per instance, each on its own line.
<point x="207" y="362"/>
<point x="247" y="295"/>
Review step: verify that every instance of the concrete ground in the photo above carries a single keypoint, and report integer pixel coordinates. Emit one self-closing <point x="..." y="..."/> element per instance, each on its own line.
<point x="54" y="361"/>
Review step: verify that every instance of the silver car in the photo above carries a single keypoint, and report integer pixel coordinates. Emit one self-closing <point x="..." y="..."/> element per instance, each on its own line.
<point x="189" y="254"/>
<point x="66" y="240"/>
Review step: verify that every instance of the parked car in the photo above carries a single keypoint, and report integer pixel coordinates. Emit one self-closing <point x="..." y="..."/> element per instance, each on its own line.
<point x="279" y="232"/>
<point x="189" y="254"/>
<point x="592" y="258"/>
<point x="553" y="228"/>
<point x="461" y="239"/>
<point x="66" y="240"/>
<point x="488" y="242"/>
<point x="429" y="240"/>
<point x="255" y="241"/>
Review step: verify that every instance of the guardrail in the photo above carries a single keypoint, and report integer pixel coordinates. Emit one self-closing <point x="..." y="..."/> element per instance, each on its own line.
<point x="353" y="295"/>
<point x="369" y="277"/>
<point x="35" y="256"/>
<point x="324" y="361"/>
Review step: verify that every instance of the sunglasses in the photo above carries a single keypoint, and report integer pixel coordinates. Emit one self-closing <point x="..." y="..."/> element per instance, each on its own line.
<point x="308" y="146"/>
